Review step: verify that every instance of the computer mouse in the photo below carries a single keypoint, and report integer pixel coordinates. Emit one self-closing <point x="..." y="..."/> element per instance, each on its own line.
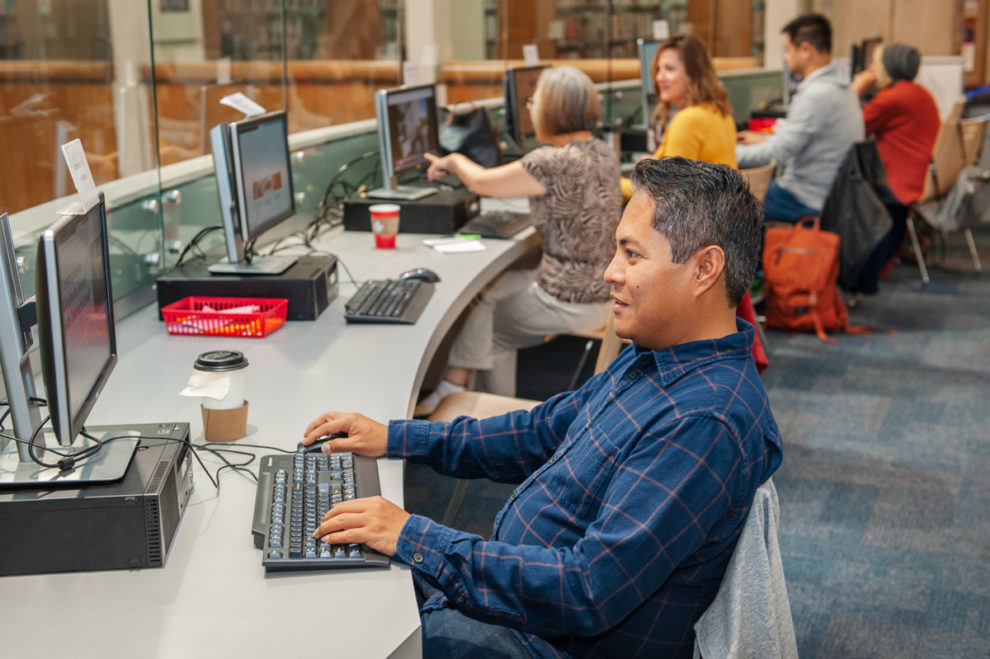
<point x="315" y="447"/>
<point x="422" y="274"/>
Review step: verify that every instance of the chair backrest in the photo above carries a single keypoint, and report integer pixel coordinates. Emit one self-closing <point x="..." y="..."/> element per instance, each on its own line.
<point x="947" y="161"/>
<point x="758" y="179"/>
<point x="971" y="134"/>
<point x="751" y="614"/>
<point x="611" y="345"/>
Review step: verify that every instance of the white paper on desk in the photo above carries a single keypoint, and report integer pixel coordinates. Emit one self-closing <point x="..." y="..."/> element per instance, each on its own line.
<point x="210" y="385"/>
<point x="459" y="247"/>
<point x="239" y="101"/>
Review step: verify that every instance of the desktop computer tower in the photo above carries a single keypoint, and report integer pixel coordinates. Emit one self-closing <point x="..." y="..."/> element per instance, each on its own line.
<point x="443" y="212"/>
<point x="123" y="525"/>
<point x="310" y="285"/>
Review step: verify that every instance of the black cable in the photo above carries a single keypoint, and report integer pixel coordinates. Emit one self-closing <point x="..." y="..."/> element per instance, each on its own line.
<point x="350" y="277"/>
<point x="323" y="206"/>
<point x="193" y="243"/>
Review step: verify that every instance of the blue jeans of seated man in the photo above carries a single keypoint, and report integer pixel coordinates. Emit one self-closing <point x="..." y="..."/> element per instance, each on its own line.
<point x="448" y="633"/>
<point x="781" y="206"/>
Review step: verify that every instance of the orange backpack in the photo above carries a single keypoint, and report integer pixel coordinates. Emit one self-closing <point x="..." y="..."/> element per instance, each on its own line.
<point x="800" y="266"/>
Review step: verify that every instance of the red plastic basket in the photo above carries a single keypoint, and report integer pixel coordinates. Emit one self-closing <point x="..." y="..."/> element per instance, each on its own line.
<point x="225" y="316"/>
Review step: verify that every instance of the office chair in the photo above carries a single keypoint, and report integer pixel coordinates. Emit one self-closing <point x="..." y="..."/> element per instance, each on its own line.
<point x="955" y="148"/>
<point x="482" y="405"/>
<point x="751" y="614"/>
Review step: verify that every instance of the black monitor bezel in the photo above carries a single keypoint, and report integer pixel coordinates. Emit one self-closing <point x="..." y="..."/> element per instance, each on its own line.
<point x="55" y="361"/>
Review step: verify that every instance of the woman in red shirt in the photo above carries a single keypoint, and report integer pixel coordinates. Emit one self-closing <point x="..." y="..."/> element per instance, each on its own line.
<point x="904" y="120"/>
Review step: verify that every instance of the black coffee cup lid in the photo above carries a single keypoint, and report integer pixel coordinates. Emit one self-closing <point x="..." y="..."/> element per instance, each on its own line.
<point x="221" y="360"/>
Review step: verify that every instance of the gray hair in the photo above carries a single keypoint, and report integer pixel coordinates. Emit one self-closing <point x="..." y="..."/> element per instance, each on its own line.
<point x="697" y="204"/>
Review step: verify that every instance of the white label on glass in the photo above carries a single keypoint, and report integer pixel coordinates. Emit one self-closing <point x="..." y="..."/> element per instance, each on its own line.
<point x="661" y="30"/>
<point x="410" y="73"/>
<point x="75" y="158"/>
<point x="239" y="101"/>
<point x="531" y="54"/>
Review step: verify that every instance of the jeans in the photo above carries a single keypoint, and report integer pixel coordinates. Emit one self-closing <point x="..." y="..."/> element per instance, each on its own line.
<point x="782" y="206"/>
<point x="449" y="633"/>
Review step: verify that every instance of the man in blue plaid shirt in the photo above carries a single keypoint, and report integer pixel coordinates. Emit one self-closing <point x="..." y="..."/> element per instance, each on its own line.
<point x="633" y="489"/>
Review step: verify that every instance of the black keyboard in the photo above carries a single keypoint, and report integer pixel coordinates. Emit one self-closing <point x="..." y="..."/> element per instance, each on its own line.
<point x="294" y="492"/>
<point x="497" y="224"/>
<point x="388" y="301"/>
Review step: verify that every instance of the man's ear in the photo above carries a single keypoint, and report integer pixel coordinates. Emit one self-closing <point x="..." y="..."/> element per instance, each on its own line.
<point x="709" y="265"/>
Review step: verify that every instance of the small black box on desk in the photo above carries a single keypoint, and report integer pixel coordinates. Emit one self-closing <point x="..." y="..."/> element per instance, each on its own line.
<point x="443" y="212"/>
<point x="310" y="285"/>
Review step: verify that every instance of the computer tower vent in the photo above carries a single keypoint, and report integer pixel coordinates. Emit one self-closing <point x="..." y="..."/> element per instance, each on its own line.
<point x="152" y="526"/>
<point x="161" y="471"/>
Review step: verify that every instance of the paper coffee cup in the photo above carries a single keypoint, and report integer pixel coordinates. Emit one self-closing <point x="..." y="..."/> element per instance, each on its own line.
<point x="384" y="224"/>
<point x="224" y="364"/>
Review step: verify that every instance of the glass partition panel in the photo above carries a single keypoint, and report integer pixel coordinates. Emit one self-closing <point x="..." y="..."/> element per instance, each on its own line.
<point x="69" y="69"/>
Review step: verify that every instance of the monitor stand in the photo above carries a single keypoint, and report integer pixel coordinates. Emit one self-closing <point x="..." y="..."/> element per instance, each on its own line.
<point x="402" y="193"/>
<point x="106" y="466"/>
<point x="260" y="265"/>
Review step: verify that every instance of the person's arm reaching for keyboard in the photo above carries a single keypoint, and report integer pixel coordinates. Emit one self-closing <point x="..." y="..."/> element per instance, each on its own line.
<point x="504" y="181"/>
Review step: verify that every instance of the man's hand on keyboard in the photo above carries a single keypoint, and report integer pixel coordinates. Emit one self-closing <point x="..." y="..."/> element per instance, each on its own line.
<point x="374" y="521"/>
<point x="364" y="436"/>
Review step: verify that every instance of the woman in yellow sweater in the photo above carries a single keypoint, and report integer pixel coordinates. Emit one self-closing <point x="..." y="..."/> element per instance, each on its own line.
<point x="702" y="128"/>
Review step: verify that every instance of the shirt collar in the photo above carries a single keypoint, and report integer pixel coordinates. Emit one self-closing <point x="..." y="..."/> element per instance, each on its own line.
<point x="676" y="361"/>
<point x="829" y="69"/>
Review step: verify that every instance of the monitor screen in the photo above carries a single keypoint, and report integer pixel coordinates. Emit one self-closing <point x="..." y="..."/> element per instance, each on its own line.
<point x="262" y="174"/>
<point x="520" y="87"/>
<point x="410" y="128"/>
<point x="76" y="338"/>
<point x="647" y="51"/>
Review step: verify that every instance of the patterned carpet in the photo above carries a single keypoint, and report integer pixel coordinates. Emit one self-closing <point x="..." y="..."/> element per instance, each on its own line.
<point x="885" y="485"/>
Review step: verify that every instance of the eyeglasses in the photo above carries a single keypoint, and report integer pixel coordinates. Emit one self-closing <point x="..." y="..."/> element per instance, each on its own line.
<point x="529" y="102"/>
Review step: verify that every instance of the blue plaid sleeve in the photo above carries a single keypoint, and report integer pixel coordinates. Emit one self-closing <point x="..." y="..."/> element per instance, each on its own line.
<point x="504" y="448"/>
<point x="663" y="500"/>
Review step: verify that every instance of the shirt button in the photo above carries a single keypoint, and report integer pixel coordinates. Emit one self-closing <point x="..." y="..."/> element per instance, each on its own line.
<point x="555" y="457"/>
<point x="633" y="374"/>
<point x="417" y="557"/>
<point x="461" y="598"/>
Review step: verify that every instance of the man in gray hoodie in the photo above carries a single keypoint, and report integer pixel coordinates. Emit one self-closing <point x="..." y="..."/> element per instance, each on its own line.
<point x="823" y="122"/>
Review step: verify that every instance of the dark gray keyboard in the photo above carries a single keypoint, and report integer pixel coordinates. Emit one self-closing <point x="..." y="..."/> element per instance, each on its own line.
<point x="497" y="224"/>
<point x="388" y="301"/>
<point x="294" y="493"/>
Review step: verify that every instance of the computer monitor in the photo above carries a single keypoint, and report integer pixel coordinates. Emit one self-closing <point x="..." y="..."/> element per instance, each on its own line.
<point x="520" y="85"/>
<point x="861" y="55"/>
<point x="77" y="349"/>
<point x="407" y="128"/>
<point x="647" y="51"/>
<point x="254" y="182"/>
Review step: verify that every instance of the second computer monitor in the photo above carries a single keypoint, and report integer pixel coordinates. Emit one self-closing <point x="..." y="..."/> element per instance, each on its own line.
<point x="407" y="128"/>
<point x="520" y="86"/>
<point x="254" y="181"/>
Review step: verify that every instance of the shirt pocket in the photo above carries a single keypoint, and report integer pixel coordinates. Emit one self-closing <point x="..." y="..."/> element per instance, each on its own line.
<point x="580" y="472"/>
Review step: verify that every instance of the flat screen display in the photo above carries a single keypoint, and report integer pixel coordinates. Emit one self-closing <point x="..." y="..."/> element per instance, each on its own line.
<point x="412" y="126"/>
<point x="522" y="87"/>
<point x="263" y="172"/>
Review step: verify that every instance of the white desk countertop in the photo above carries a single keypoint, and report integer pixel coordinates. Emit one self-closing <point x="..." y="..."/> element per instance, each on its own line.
<point x="212" y="598"/>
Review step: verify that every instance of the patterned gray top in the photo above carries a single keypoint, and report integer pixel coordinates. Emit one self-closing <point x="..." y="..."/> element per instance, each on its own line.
<point x="577" y="217"/>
